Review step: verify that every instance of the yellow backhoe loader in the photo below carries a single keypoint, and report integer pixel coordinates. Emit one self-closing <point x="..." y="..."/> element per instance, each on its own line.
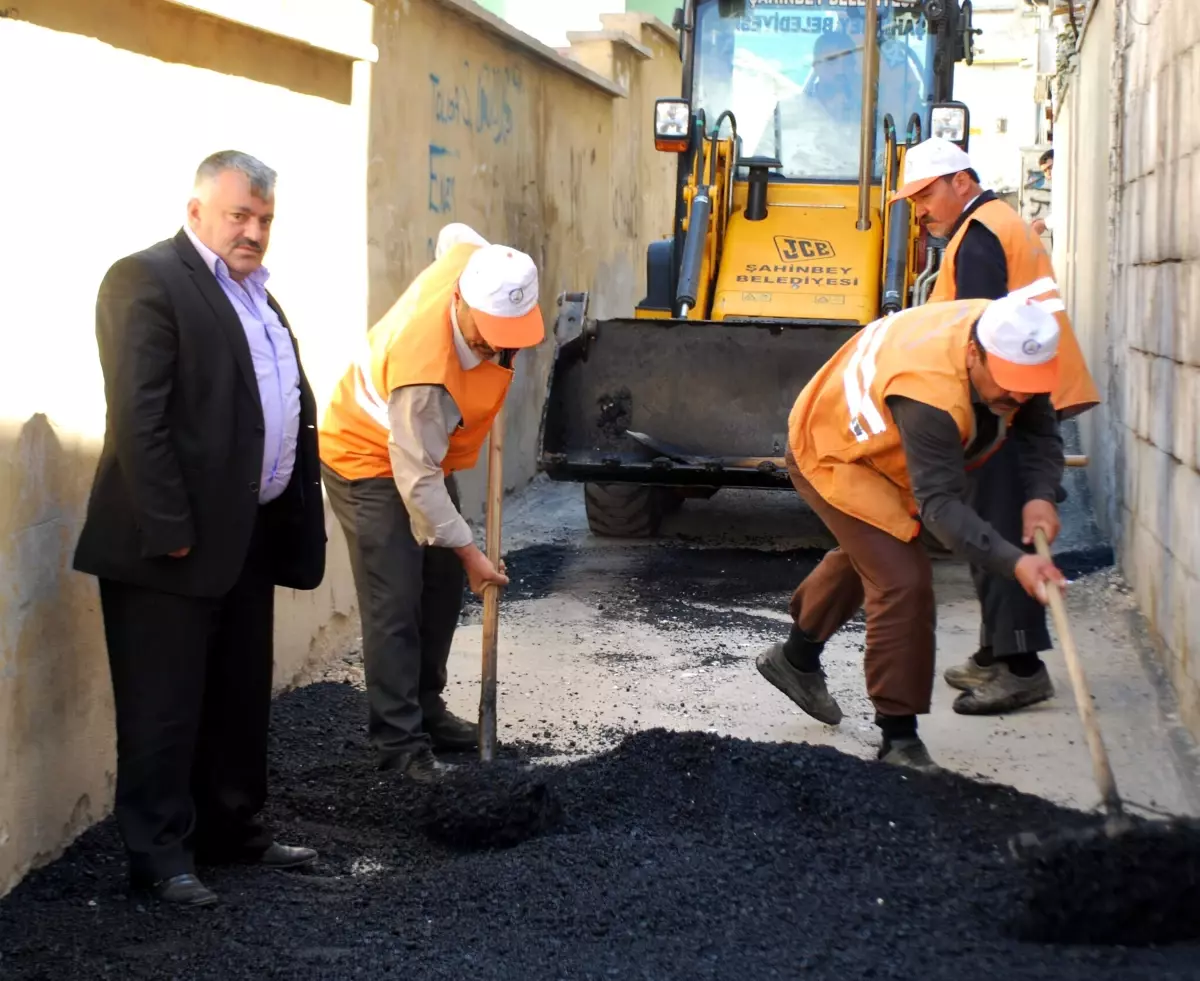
<point x="791" y="131"/>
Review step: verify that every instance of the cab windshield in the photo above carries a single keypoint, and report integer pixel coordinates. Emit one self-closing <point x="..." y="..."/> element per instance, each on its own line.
<point x="791" y="73"/>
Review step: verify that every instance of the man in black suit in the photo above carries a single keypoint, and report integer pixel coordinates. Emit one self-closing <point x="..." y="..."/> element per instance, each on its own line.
<point x="207" y="496"/>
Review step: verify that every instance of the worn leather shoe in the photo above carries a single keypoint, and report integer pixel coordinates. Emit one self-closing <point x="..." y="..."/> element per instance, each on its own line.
<point x="970" y="674"/>
<point x="908" y="752"/>
<point x="806" y="688"/>
<point x="183" y="890"/>
<point x="279" y="856"/>
<point x="447" y="731"/>
<point x="1005" y="692"/>
<point x="420" y="766"/>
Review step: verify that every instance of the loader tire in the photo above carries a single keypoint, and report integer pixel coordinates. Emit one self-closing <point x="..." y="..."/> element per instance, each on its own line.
<point x="623" y="510"/>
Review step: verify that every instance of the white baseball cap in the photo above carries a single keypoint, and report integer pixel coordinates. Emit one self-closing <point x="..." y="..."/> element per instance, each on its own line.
<point x="1020" y="337"/>
<point x="500" y="285"/>
<point x="456" y="233"/>
<point x="928" y="161"/>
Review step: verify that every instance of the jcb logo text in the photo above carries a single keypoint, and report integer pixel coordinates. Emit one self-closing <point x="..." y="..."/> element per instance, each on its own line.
<point x="797" y="249"/>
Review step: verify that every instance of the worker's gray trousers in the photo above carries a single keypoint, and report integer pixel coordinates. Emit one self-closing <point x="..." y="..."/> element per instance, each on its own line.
<point x="1013" y="621"/>
<point x="409" y="597"/>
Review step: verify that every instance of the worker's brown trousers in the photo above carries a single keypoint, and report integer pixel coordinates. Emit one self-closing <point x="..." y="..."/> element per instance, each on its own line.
<point x="894" y="581"/>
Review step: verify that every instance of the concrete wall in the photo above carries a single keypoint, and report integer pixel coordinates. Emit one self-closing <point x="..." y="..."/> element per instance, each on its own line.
<point x="109" y="107"/>
<point x="553" y="156"/>
<point x="1129" y="186"/>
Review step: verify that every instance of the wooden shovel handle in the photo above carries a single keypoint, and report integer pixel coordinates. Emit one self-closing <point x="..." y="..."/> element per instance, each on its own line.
<point x="491" y="593"/>
<point x="1101" y="769"/>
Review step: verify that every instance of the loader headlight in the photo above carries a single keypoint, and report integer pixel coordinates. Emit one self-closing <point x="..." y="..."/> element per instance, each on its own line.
<point x="672" y="125"/>
<point x="950" y="121"/>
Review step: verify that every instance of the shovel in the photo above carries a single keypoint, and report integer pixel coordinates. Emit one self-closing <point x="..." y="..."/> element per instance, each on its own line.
<point x="505" y="803"/>
<point x="1128" y="881"/>
<point x="1116" y="820"/>
<point x="491" y="592"/>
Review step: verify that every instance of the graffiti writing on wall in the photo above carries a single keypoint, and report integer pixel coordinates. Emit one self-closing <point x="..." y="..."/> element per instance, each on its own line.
<point x="477" y="101"/>
<point x="441" y="179"/>
<point x="467" y="105"/>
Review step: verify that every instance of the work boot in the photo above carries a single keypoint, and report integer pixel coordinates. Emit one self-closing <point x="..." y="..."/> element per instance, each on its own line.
<point x="969" y="675"/>
<point x="908" y="752"/>
<point x="1005" y="692"/>
<point x="419" y="766"/>
<point x="805" y="688"/>
<point x="449" y="732"/>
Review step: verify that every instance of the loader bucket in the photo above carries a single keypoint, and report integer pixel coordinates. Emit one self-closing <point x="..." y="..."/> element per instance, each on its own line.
<point x="707" y="403"/>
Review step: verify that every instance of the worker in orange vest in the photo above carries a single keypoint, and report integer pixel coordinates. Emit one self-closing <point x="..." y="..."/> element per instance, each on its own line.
<point x="878" y="445"/>
<point x="413" y="409"/>
<point x="991" y="252"/>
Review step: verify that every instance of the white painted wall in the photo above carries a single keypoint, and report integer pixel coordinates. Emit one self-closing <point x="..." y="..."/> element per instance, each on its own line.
<point x="549" y="21"/>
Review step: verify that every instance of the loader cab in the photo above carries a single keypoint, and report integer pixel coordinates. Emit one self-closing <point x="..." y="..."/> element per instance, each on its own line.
<point x="792" y="77"/>
<point x="784" y="81"/>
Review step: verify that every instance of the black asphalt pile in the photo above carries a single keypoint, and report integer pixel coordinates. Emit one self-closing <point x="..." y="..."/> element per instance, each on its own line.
<point x="1139" y="887"/>
<point x="494" y="806"/>
<point x="677" y="855"/>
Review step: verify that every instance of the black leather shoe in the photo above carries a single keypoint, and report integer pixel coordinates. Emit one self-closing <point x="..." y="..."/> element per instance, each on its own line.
<point x="279" y="856"/>
<point x="449" y="732"/>
<point x="420" y="766"/>
<point x="183" y="890"/>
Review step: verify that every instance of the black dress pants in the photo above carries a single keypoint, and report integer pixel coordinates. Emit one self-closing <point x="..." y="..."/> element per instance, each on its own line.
<point x="1013" y="621"/>
<point x="192" y="686"/>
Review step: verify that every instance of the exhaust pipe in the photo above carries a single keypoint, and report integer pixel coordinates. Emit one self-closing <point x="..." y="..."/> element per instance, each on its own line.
<point x="866" y="146"/>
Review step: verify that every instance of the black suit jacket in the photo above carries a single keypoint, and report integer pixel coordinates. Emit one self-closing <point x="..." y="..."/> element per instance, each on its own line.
<point x="183" y="443"/>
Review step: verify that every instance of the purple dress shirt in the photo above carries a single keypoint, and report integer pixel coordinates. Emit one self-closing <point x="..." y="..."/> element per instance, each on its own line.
<point x="275" y="368"/>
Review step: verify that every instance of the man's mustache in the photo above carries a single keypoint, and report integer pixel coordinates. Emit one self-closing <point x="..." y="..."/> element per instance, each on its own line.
<point x="247" y="243"/>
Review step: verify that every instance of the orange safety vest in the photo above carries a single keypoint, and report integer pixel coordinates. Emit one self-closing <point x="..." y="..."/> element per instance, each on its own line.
<point x="1027" y="263"/>
<point x="841" y="431"/>
<point x="413" y="344"/>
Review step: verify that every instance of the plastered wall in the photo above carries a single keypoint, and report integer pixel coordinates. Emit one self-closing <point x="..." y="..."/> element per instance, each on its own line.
<point x="493" y="131"/>
<point x="109" y="106"/>
<point x="1130" y="188"/>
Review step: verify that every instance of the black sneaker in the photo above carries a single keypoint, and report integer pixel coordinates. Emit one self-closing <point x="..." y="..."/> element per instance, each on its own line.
<point x="449" y="732"/>
<point x="805" y="688"/>
<point x="419" y="766"/>
<point x="908" y="752"/>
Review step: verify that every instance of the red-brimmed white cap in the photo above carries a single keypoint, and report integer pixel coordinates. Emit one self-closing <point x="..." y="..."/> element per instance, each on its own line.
<point x="500" y="285"/>
<point x="928" y="161"/>
<point x="1020" y="337"/>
